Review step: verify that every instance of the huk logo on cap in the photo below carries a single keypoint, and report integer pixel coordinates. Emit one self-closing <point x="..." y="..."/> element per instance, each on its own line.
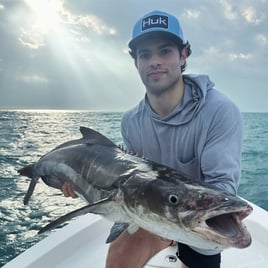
<point x="154" y="21"/>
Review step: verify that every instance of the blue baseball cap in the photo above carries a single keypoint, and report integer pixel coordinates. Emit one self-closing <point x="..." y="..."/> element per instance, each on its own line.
<point x="157" y="22"/>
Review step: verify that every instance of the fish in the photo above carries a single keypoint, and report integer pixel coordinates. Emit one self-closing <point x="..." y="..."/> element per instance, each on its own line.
<point x="134" y="192"/>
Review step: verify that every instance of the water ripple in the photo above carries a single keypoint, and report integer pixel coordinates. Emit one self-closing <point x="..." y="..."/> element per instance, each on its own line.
<point x="27" y="135"/>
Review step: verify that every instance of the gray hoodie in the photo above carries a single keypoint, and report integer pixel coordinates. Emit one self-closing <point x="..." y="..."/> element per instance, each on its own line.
<point x="201" y="137"/>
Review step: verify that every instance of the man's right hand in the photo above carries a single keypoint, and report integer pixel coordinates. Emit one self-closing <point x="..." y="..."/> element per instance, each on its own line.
<point x="68" y="191"/>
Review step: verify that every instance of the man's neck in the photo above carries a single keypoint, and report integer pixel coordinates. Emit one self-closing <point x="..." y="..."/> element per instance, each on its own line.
<point x="166" y="102"/>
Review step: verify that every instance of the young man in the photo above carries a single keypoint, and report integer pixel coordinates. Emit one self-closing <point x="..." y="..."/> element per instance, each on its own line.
<point x="184" y="123"/>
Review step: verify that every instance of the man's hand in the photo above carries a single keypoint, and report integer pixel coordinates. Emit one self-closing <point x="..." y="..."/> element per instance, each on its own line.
<point x="68" y="191"/>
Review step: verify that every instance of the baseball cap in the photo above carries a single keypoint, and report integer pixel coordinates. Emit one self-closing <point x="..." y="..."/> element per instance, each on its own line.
<point x="156" y="22"/>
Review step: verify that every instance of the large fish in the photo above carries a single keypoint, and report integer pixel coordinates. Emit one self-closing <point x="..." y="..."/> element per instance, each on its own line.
<point x="134" y="192"/>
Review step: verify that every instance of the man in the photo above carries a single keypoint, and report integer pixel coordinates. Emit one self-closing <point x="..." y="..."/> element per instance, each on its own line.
<point x="184" y="123"/>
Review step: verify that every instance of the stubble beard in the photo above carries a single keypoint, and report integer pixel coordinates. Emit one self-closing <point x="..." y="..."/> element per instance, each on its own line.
<point x="159" y="88"/>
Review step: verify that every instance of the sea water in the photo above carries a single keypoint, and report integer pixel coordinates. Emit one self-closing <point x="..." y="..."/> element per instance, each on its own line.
<point x="27" y="135"/>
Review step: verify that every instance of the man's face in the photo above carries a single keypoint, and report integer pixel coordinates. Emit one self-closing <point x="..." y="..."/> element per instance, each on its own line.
<point x="159" y="64"/>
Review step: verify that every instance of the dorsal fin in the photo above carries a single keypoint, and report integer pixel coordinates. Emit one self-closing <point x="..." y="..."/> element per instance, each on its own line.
<point x="93" y="136"/>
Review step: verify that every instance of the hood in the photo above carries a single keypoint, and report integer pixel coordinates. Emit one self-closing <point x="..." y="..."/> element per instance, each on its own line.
<point x="196" y="90"/>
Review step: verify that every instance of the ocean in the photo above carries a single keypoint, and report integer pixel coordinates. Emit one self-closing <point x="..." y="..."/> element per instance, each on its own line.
<point x="25" y="135"/>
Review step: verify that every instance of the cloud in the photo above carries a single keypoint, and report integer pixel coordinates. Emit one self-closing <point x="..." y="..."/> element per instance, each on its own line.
<point x="91" y="22"/>
<point x="239" y="56"/>
<point x="47" y="18"/>
<point x="229" y="9"/>
<point x="73" y="54"/>
<point x="243" y="10"/>
<point x="262" y="39"/>
<point x="30" y="79"/>
<point x="252" y="16"/>
<point x="216" y="54"/>
<point x="191" y="13"/>
<point x="31" y="38"/>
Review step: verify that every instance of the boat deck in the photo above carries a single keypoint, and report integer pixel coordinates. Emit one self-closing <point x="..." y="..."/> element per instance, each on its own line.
<point x="82" y="244"/>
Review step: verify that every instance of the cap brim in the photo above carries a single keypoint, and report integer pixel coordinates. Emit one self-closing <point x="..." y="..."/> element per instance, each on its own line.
<point x="153" y="35"/>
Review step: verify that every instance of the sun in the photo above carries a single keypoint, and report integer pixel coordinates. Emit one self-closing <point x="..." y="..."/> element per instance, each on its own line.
<point x="46" y="13"/>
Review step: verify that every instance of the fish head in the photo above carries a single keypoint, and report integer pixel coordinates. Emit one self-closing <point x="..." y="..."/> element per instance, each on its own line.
<point x="212" y="218"/>
<point x="217" y="216"/>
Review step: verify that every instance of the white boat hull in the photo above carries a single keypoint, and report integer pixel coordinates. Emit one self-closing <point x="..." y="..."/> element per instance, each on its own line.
<point x="82" y="244"/>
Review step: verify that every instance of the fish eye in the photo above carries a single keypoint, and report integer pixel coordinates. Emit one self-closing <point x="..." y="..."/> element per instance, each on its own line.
<point x="173" y="199"/>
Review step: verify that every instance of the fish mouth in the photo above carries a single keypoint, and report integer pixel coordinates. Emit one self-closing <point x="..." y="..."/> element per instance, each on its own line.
<point x="228" y="227"/>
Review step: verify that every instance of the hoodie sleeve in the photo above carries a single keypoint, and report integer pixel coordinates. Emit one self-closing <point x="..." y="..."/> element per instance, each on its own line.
<point x="221" y="156"/>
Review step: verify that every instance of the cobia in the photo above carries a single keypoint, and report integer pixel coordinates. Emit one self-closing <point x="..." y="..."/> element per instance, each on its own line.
<point x="137" y="193"/>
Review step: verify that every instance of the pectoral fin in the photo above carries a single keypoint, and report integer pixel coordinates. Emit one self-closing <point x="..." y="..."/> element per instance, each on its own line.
<point x="30" y="190"/>
<point x="117" y="229"/>
<point x="100" y="207"/>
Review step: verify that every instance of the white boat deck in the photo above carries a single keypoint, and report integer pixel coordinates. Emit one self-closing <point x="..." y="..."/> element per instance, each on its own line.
<point x="82" y="244"/>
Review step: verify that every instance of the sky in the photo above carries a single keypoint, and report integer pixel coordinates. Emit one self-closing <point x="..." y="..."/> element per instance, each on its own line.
<point x="67" y="54"/>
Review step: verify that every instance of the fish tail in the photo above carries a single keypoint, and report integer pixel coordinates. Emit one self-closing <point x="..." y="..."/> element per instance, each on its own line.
<point x="27" y="171"/>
